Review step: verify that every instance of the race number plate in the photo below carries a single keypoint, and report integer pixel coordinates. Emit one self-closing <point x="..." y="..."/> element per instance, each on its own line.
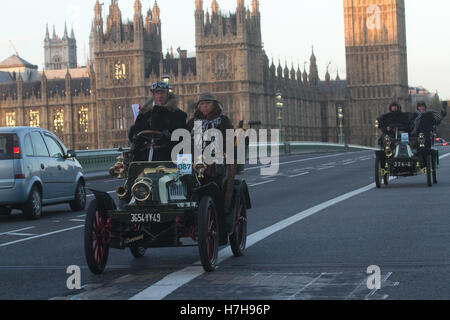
<point x="403" y="164"/>
<point x="145" y="218"/>
<point x="184" y="163"/>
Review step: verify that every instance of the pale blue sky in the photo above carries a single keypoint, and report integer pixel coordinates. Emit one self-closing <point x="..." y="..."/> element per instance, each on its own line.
<point x="289" y="30"/>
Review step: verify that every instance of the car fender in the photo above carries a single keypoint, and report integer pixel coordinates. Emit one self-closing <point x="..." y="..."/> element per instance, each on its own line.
<point x="34" y="180"/>
<point x="104" y="201"/>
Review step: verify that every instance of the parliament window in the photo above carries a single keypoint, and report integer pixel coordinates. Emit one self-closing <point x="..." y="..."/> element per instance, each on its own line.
<point x="10" y="119"/>
<point x="120" y="71"/>
<point x="119" y="118"/>
<point x="83" y="120"/>
<point x="58" y="121"/>
<point x="34" y="119"/>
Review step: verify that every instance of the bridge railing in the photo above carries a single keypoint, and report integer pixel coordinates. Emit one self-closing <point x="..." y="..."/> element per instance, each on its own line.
<point x="101" y="160"/>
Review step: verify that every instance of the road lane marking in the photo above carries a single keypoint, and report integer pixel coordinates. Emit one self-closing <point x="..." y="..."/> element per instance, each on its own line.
<point x="15" y="231"/>
<point x="301" y="160"/>
<point x="77" y="220"/>
<point x="325" y="168"/>
<point x="261" y="183"/>
<point x="298" y="175"/>
<point x="40" y="236"/>
<point x="20" y="234"/>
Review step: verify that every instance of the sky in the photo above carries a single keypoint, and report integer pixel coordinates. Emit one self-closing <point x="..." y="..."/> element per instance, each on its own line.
<point x="290" y="28"/>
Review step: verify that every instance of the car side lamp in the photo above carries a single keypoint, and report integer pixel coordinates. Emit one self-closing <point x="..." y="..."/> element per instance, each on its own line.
<point x="421" y="140"/>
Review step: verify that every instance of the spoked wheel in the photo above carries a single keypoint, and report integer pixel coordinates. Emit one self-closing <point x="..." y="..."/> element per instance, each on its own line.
<point x="97" y="237"/>
<point x="429" y="170"/>
<point x="378" y="176"/>
<point x="208" y="234"/>
<point x="386" y="179"/>
<point x="435" y="168"/>
<point x="238" y="240"/>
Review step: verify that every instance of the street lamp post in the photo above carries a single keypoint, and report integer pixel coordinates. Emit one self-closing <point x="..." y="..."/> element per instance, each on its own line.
<point x="340" y="123"/>
<point x="279" y="106"/>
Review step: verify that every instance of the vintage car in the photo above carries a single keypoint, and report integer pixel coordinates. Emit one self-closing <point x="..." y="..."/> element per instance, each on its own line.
<point x="404" y="155"/>
<point x="166" y="204"/>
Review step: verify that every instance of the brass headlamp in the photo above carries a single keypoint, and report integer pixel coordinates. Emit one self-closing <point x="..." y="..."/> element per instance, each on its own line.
<point x="387" y="147"/>
<point x="142" y="189"/>
<point x="421" y="140"/>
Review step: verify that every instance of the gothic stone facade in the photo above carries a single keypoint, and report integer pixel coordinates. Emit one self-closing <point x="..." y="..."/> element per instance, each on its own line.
<point x="95" y="112"/>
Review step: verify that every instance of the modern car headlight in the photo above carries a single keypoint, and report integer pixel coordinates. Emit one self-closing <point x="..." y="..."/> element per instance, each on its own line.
<point x="142" y="189"/>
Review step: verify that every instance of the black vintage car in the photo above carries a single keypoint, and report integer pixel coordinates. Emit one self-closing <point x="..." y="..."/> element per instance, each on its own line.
<point x="408" y="149"/>
<point x="163" y="206"/>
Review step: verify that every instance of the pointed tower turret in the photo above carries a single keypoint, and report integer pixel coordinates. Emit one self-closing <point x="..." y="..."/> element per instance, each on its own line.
<point x="66" y="35"/>
<point x="156" y="14"/>
<point x="214" y="8"/>
<point x="54" y="32"/>
<point x="313" y="71"/>
<point x="47" y="34"/>
<point x="138" y="22"/>
<point x="98" y="19"/>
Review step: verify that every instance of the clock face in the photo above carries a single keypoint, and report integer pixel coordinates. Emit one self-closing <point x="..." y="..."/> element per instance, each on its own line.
<point x="120" y="70"/>
<point x="373" y="17"/>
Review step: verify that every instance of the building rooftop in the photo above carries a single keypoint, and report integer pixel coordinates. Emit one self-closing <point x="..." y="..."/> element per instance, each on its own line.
<point x="16" y="62"/>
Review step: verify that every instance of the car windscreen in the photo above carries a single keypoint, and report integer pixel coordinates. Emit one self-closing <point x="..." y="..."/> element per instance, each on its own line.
<point x="6" y="146"/>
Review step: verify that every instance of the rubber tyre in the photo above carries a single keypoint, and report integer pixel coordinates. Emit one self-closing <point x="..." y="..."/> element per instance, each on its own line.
<point x="238" y="240"/>
<point x="5" y="211"/>
<point x="378" y="176"/>
<point x="386" y="180"/>
<point x="138" y="252"/>
<point x="33" y="208"/>
<point x="96" y="242"/>
<point x="435" y="169"/>
<point x="429" y="170"/>
<point x="208" y="235"/>
<point x="79" y="203"/>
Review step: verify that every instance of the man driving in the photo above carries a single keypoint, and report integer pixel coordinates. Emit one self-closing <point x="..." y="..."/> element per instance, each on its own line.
<point x="160" y="114"/>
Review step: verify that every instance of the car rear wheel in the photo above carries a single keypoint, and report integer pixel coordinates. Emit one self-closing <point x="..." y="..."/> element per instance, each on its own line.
<point x="33" y="208"/>
<point x="79" y="203"/>
<point x="435" y="169"/>
<point x="238" y="240"/>
<point x="5" y="211"/>
<point x="97" y="238"/>
<point x="429" y="171"/>
<point x="208" y="234"/>
<point x="378" y="176"/>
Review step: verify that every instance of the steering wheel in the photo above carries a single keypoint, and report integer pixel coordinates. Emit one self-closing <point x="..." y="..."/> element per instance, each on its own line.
<point x="151" y="137"/>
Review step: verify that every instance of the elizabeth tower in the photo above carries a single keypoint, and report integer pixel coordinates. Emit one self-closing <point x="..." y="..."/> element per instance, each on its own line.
<point x="377" y="73"/>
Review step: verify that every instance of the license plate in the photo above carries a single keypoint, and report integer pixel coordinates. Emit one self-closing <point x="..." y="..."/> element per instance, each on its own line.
<point x="403" y="164"/>
<point x="145" y="218"/>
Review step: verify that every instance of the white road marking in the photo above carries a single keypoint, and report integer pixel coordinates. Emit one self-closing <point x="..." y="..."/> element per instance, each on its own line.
<point x="15" y="231"/>
<point x="298" y="175"/>
<point x="173" y="281"/>
<point x="261" y="183"/>
<point x="77" y="220"/>
<point x="301" y="160"/>
<point x="40" y="236"/>
<point x="325" y="168"/>
<point x="20" y="234"/>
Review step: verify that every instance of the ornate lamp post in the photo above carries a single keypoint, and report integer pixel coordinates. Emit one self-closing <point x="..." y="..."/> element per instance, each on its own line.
<point x="279" y="106"/>
<point x="340" y="123"/>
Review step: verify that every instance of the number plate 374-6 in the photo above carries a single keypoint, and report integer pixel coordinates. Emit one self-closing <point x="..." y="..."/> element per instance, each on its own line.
<point x="402" y="164"/>
<point x="145" y="217"/>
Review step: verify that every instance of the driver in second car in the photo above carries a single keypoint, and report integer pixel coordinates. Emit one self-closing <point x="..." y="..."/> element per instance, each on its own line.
<point x="161" y="113"/>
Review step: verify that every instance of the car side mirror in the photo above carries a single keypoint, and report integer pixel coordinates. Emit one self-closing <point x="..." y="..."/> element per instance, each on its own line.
<point x="71" y="154"/>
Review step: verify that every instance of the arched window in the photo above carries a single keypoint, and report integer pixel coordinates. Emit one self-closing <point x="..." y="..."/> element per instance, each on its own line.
<point x="58" y="121"/>
<point x="10" y="119"/>
<point x="83" y="120"/>
<point x="34" y="119"/>
<point x="119" y="118"/>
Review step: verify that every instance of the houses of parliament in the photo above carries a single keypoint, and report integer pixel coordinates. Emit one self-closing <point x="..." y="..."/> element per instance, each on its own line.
<point x="90" y="107"/>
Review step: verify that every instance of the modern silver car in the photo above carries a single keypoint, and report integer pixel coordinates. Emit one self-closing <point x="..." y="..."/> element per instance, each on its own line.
<point x="36" y="169"/>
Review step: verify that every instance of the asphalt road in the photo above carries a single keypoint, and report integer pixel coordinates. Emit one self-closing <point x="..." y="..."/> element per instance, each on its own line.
<point x="314" y="230"/>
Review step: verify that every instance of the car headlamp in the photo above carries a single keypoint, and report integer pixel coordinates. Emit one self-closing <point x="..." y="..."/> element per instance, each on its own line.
<point x="387" y="147"/>
<point x="142" y="189"/>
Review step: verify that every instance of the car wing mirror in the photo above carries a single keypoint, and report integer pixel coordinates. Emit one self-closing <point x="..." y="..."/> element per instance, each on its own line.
<point x="71" y="154"/>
